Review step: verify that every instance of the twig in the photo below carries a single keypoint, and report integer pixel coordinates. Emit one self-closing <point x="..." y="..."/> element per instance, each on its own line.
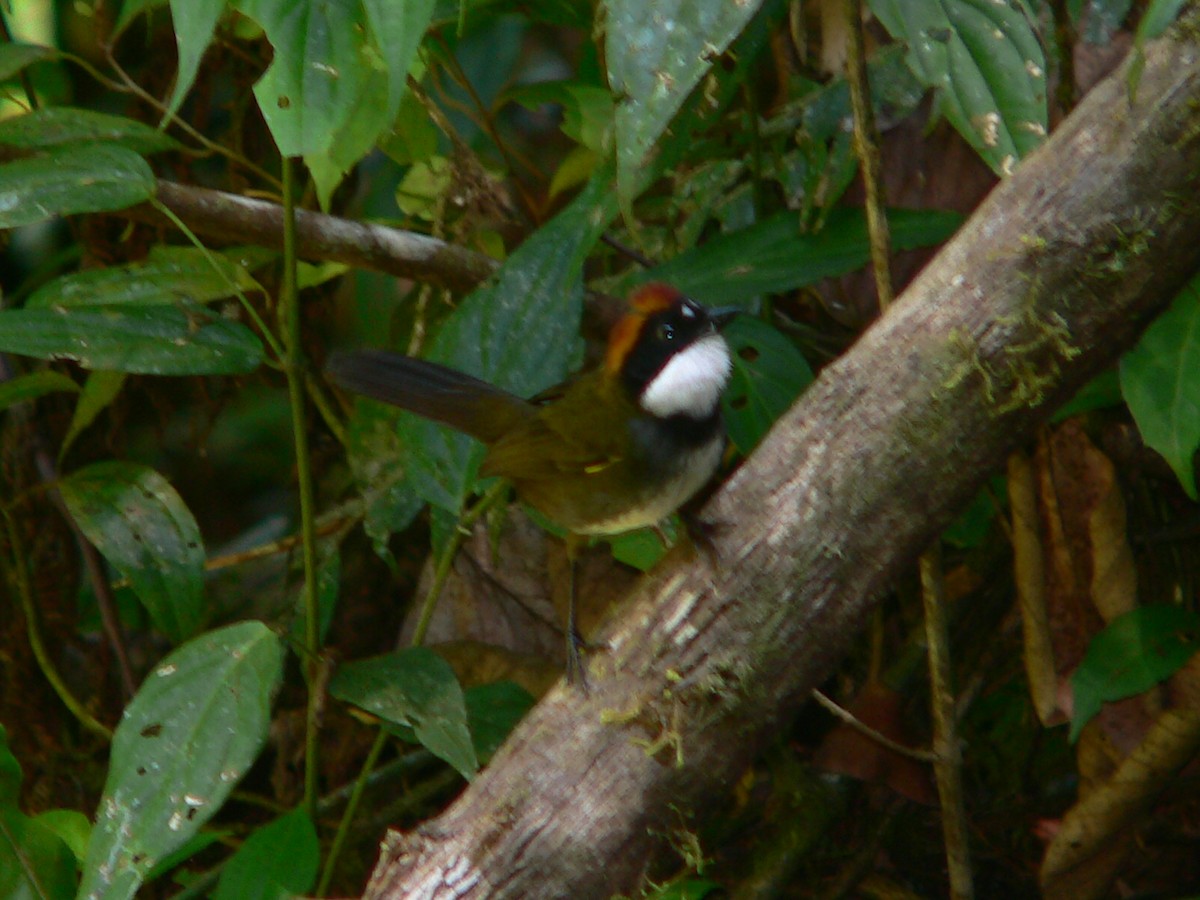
<point x="925" y="756"/>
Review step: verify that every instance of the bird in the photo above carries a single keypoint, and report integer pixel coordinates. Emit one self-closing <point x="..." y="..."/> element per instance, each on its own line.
<point x="613" y="449"/>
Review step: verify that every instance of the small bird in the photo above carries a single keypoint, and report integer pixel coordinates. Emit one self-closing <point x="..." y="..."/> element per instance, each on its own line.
<point x="610" y="450"/>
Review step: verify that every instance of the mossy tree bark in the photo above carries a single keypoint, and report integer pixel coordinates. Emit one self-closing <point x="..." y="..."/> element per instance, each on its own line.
<point x="1054" y="275"/>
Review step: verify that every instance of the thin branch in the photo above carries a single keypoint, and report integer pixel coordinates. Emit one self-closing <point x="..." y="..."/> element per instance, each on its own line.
<point x="234" y="219"/>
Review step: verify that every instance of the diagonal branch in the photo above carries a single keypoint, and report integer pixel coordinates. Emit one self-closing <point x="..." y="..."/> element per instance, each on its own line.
<point x="1054" y="275"/>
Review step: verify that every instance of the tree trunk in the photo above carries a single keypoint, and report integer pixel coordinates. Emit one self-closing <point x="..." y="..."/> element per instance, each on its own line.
<point x="1055" y="274"/>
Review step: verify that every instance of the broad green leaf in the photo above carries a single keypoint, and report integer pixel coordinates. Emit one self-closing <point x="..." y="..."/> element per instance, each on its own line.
<point x="537" y="292"/>
<point x="171" y="275"/>
<point x="587" y="110"/>
<point x="70" y="180"/>
<point x="329" y="574"/>
<point x="1102" y="392"/>
<point x="413" y="688"/>
<point x="143" y="528"/>
<point x="100" y="389"/>
<point x="186" y="739"/>
<point x="56" y="126"/>
<point x="35" y="863"/>
<point x="15" y="57"/>
<point x="195" y="22"/>
<point x="768" y="375"/>
<point x="280" y="859"/>
<point x="156" y="340"/>
<point x="986" y="63"/>
<point x="656" y="53"/>
<point x="72" y="826"/>
<point x="34" y="385"/>
<point x="775" y="256"/>
<point x="1135" y="652"/>
<point x="1160" y="378"/>
<point x="317" y="74"/>
<point x="398" y="29"/>
<point x="493" y="711"/>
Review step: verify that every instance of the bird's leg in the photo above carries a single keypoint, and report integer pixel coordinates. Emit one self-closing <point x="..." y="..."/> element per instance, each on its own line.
<point x="575" y="644"/>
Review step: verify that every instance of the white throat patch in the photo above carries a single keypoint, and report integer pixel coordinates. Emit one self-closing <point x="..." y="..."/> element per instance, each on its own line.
<point x="691" y="382"/>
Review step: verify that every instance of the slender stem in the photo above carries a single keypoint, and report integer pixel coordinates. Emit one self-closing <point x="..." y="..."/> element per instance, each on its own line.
<point x="266" y="332"/>
<point x="948" y="762"/>
<point x="879" y="737"/>
<point x="20" y="578"/>
<point x="294" y="368"/>
<point x="866" y="145"/>
<point x="465" y="521"/>
<point x="343" y="830"/>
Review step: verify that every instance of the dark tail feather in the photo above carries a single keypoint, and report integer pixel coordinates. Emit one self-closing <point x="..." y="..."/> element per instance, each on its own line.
<point x="430" y="390"/>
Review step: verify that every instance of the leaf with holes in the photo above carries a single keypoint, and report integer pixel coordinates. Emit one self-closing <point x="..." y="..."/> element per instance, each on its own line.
<point x="144" y="529"/>
<point x="1160" y="378"/>
<point x="986" y="64"/>
<point x="657" y="53"/>
<point x="186" y="739"/>
<point x="768" y="375"/>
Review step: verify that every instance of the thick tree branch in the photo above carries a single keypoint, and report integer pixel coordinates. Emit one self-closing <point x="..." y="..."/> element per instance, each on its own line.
<point x="1056" y="273"/>
<point x="319" y="237"/>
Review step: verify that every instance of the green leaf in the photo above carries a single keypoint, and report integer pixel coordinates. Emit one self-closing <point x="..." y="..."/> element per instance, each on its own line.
<point x="643" y="548"/>
<point x="537" y="292"/>
<point x="986" y="63"/>
<point x="688" y="889"/>
<point x="100" y="389"/>
<point x="493" y="711"/>
<point x="35" y="864"/>
<point x="774" y="256"/>
<point x="413" y="688"/>
<point x="15" y="57"/>
<point x="1160" y="378"/>
<point x="398" y="27"/>
<point x="143" y="528"/>
<point x="195" y="22"/>
<point x="316" y="76"/>
<point x="1132" y="654"/>
<point x="70" y="180"/>
<point x="156" y="340"/>
<point x="768" y="375"/>
<point x="72" y="826"/>
<point x="1102" y="392"/>
<point x="171" y="275"/>
<point x="278" y="860"/>
<point x="186" y="739"/>
<point x="55" y="126"/>
<point x="33" y="385"/>
<point x="656" y="53"/>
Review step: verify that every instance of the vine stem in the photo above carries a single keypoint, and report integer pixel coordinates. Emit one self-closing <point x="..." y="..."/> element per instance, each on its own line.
<point x="294" y="370"/>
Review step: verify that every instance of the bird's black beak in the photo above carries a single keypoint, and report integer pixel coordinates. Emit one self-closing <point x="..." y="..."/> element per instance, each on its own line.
<point x="722" y="315"/>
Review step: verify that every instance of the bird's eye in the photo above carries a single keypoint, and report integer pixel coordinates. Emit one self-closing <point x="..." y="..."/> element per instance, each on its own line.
<point x="666" y="332"/>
